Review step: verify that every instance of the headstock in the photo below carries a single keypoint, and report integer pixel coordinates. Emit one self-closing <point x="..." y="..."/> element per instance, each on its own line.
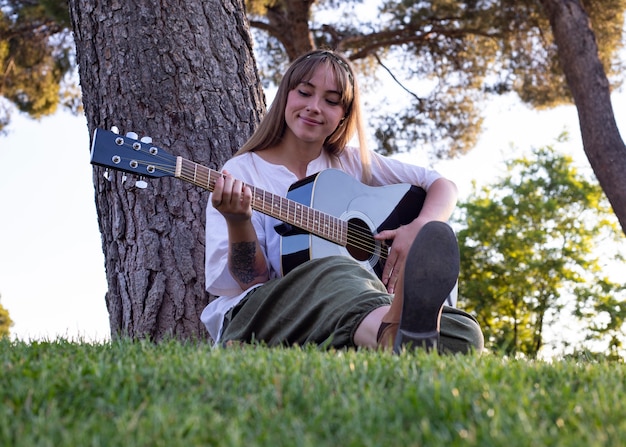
<point x="129" y="154"/>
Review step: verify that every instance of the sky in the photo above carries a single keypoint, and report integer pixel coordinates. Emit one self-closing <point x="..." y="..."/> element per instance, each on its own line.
<point x="52" y="278"/>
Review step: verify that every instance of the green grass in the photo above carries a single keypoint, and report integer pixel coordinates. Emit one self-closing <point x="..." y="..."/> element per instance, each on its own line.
<point x="63" y="393"/>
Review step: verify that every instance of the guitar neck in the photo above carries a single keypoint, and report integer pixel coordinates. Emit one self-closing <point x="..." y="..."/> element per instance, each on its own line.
<point x="289" y="211"/>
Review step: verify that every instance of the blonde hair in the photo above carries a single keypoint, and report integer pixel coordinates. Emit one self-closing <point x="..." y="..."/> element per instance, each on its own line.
<point x="272" y="127"/>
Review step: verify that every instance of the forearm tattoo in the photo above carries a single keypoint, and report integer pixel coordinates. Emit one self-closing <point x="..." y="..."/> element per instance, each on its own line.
<point x="242" y="261"/>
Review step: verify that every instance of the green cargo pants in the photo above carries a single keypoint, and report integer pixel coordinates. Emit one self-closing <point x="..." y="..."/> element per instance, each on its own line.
<point x="322" y="302"/>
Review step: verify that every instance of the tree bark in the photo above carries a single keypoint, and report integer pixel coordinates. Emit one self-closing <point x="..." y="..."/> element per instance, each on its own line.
<point x="289" y="23"/>
<point x="578" y="54"/>
<point x="184" y="74"/>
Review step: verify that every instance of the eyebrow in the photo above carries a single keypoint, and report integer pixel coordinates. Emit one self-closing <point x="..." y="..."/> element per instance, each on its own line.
<point x="309" y="83"/>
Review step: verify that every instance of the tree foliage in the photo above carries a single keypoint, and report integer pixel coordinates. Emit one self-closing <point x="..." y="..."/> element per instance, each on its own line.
<point x="446" y="57"/>
<point x="529" y="254"/>
<point x="36" y="58"/>
<point x="5" y="321"/>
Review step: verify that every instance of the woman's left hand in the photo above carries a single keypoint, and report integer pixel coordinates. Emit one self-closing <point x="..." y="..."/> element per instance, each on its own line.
<point x="438" y="205"/>
<point x="402" y="238"/>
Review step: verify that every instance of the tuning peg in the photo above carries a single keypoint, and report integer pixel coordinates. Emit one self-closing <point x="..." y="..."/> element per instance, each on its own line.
<point x="146" y="139"/>
<point x="132" y="135"/>
<point x="141" y="183"/>
<point x="115" y="130"/>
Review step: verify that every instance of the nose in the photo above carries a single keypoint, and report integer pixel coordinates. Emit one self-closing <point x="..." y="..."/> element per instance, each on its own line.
<point x="313" y="104"/>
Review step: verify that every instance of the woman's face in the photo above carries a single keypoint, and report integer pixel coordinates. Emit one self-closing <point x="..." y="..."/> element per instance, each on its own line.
<point x="314" y="109"/>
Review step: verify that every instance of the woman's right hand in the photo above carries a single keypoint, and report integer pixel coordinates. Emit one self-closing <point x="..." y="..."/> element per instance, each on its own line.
<point x="246" y="261"/>
<point x="232" y="198"/>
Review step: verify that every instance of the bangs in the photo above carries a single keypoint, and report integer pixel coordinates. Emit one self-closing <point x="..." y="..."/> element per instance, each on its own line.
<point x="343" y="77"/>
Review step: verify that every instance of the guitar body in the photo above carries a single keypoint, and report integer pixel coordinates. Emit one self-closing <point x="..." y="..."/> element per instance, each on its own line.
<point x="368" y="211"/>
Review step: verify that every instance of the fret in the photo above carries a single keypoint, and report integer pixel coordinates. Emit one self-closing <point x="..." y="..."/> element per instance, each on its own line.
<point x="289" y="217"/>
<point x="203" y="178"/>
<point x="271" y="205"/>
<point x="284" y="209"/>
<point x="278" y="206"/>
<point x="253" y="201"/>
<point x="307" y="220"/>
<point x="211" y="178"/>
<point x="184" y="168"/>
<point x="338" y="230"/>
<point x="318" y="221"/>
<point x="327" y="225"/>
<point x="302" y="220"/>
<point x="267" y="202"/>
<point x="264" y="200"/>
<point x="275" y="205"/>
<point x="200" y="174"/>
<point x="269" y="197"/>
<point x="342" y="231"/>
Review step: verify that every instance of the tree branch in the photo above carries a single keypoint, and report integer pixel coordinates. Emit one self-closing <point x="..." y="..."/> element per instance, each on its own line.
<point x="380" y="62"/>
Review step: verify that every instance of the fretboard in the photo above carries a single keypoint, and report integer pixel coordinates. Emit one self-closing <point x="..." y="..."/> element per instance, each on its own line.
<point x="294" y="213"/>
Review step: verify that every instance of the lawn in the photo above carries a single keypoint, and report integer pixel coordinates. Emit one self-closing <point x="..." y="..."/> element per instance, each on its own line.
<point x="122" y="393"/>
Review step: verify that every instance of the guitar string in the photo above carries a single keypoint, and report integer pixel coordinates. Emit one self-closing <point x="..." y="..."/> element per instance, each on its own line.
<point x="357" y="238"/>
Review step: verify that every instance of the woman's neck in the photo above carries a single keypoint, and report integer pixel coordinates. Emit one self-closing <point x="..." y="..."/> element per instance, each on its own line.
<point x="294" y="157"/>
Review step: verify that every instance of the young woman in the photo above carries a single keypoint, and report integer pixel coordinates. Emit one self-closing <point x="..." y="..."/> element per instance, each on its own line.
<point x="331" y="300"/>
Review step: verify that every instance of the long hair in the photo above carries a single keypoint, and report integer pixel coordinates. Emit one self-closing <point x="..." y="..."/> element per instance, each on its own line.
<point x="272" y="127"/>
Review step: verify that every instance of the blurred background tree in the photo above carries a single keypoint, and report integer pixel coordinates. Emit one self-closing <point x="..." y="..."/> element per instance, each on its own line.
<point x="5" y="321"/>
<point x="529" y="255"/>
<point x="36" y="59"/>
<point x="446" y="57"/>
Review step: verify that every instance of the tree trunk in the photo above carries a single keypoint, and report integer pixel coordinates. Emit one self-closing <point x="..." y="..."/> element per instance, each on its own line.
<point x="184" y="74"/>
<point x="589" y="85"/>
<point x="288" y="22"/>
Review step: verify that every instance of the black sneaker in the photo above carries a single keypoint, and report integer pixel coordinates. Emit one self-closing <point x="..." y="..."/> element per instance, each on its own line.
<point x="431" y="272"/>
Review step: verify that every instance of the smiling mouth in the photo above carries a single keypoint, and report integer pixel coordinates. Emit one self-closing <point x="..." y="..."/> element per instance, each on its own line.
<point x="309" y="120"/>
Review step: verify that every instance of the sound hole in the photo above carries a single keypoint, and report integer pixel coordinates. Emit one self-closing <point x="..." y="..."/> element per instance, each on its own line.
<point x="361" y="243"/>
